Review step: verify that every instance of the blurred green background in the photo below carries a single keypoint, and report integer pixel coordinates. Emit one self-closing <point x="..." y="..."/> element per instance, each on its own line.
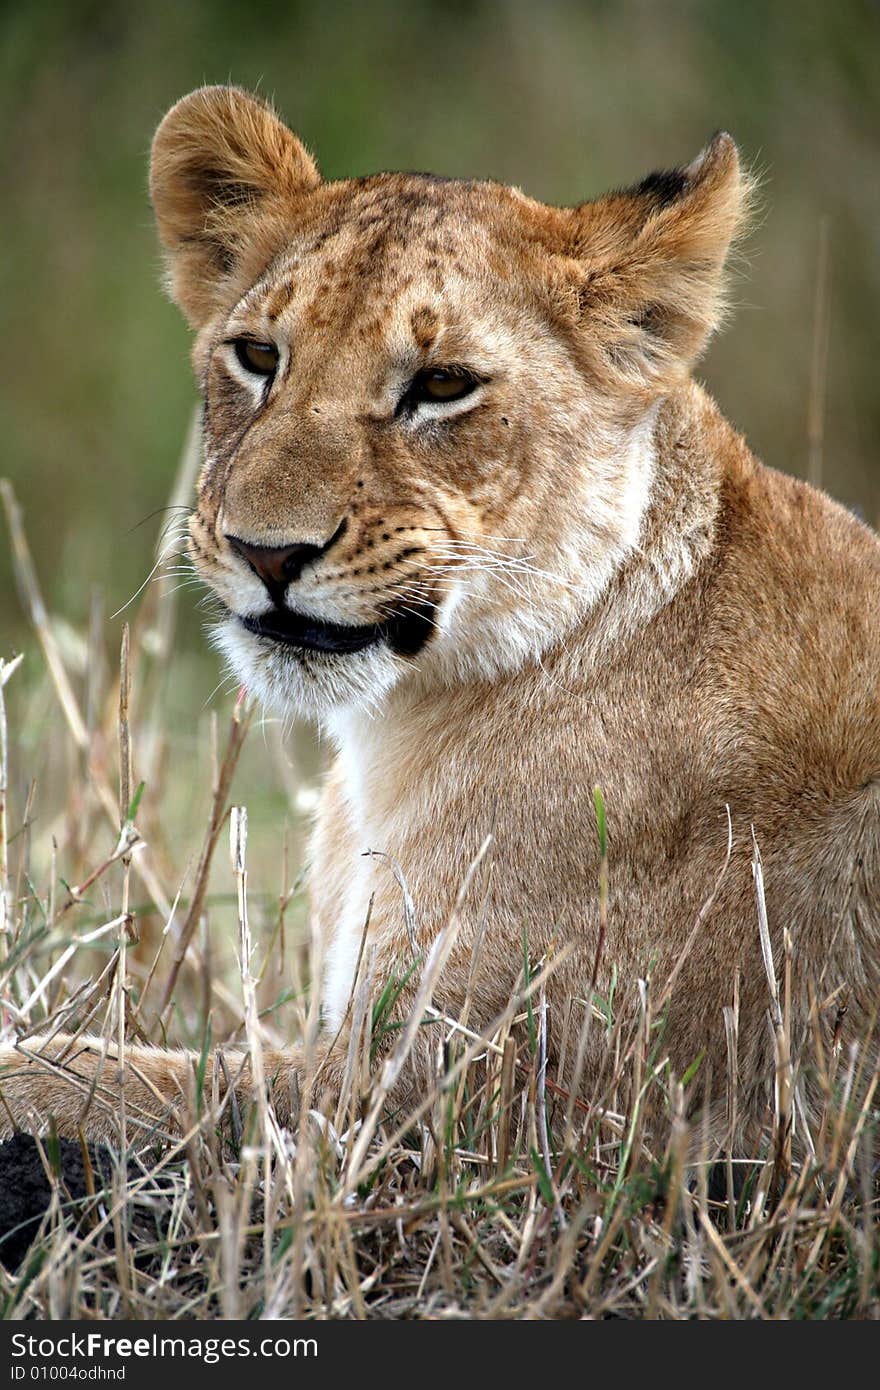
<point x="563" y="98"/>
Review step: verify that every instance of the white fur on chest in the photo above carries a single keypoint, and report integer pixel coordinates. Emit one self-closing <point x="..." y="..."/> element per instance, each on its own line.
<point x="355" y="741"/>
<point x="342" y="955"/>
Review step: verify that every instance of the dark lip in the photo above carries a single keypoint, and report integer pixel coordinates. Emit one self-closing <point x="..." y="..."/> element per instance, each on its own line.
<point x="406" y="632"/>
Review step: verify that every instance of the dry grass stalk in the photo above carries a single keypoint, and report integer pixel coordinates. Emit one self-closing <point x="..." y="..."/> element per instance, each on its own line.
<point x="819" y="358"/>
<point x="7" y="669"/>
<point x="222" y="782"/>
<point x="780" y="1019"/>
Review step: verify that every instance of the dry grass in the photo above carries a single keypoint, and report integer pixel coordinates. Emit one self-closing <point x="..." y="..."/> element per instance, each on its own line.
<point x="498" y="1196"/>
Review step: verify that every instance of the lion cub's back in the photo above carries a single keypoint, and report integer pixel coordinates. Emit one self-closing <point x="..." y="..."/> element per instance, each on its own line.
<point x="793" y="666"/>
<point x="793" y="628"/>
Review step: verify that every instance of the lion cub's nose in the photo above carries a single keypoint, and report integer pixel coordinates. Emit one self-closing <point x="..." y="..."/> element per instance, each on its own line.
<point x="277" y="566"/>
<point x="280" y="565"/>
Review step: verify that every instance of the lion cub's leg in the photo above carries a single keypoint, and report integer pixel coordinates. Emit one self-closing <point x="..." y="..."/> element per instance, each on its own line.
<point x="79" y="1084"/>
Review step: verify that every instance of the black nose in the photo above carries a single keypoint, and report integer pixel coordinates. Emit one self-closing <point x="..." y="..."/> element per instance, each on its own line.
<point x="280" y="565"/>
<point x="277" y="566"/>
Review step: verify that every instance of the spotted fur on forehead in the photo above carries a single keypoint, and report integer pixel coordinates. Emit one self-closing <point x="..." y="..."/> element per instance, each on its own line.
<point x="375" y="237"/>
<point x="363" y="246"/>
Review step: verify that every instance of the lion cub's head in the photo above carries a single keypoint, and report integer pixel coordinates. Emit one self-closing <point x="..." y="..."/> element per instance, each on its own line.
<point x="428" y="403"/>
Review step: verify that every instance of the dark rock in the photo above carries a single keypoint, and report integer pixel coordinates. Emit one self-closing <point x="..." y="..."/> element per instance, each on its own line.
<point x="25" y="1189"/>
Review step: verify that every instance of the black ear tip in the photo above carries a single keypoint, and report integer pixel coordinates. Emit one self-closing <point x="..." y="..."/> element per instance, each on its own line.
<point x="663" y="186"/>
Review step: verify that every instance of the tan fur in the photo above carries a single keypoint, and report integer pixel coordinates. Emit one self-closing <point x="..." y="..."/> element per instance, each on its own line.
<point x="625" y="597"/>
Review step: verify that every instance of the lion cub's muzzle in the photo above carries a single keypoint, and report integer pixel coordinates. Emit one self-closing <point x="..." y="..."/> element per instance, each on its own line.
<point x="405" y="628"/>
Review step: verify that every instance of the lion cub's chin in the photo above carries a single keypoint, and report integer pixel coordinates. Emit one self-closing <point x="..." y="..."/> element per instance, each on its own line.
<point x="309" y="684"/>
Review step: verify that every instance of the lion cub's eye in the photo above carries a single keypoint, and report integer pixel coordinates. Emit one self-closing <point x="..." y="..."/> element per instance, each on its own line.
<point x="259" y="358"/>
<point x="440" y="384"/>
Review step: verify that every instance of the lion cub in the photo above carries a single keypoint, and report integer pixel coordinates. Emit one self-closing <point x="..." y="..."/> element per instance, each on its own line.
<point x="463" y="504"/>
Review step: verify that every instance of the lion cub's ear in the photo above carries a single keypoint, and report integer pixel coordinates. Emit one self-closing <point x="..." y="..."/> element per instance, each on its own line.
<point x="225" y="176"/>
<point x="650" y="282"/>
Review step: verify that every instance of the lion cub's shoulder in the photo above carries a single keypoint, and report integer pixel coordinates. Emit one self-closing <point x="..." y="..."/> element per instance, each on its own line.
<point x="790" y="621"/>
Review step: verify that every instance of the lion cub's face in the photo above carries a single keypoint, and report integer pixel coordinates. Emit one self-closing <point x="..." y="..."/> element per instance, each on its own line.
<point x="375" y="404"/>
<point x="427" y="403"/>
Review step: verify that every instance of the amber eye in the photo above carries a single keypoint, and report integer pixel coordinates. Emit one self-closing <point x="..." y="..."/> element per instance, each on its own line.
<point x="259" y="358"/>
<point x="441" y="384"/>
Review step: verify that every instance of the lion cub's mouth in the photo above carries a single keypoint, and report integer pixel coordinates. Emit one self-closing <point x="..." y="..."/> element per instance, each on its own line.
<point x="406" y="632"/>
